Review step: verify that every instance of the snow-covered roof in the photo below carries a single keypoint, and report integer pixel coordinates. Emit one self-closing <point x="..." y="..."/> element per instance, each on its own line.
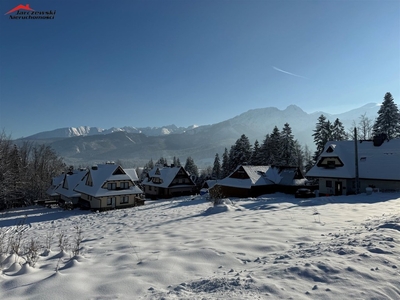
<point x="256" y="174"/>
<point x="132" y="174"/>
<point x="55" y="182"/>
<point x="69" y="182"/>
<point x="166" y="174"/>
<point x="211" y="182"/>
<point x="374" y="162"/>
<point x="259" y="176"/>
<point x="102" y="174"/>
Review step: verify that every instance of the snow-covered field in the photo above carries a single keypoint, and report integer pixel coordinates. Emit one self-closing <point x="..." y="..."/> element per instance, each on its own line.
<point x="272" y="247"/>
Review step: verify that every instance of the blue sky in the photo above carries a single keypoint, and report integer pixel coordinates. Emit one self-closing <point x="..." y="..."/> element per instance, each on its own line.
<point x="153" y="63"/>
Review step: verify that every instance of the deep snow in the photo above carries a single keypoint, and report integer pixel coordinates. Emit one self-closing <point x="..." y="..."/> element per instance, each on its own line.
<point x="271" y="247"/>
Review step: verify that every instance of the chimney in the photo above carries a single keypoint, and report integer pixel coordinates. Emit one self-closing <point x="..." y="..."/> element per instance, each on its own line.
<point x="379" y="139"/>
<point x="94" y="167"/>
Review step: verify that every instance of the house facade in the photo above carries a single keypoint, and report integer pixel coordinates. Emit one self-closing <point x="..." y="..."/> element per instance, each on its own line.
<point x="108" y="186"/>
<point x="378" y="167"/>
<point x="168" y="181"/>
<point x="253" y="181"/>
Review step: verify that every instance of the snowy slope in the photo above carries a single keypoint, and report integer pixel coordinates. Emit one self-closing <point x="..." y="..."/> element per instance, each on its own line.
<point x="273" y="247"/>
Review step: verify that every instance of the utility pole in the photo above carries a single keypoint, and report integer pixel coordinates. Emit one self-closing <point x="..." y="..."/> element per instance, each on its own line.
<point x="356" y="161"/>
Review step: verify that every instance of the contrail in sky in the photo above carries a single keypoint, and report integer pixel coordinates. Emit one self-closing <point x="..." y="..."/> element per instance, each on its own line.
<point x="286" y="72"/>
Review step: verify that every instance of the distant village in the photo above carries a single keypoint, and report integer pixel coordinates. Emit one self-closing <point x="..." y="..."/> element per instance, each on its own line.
<point x="368" y="161"/>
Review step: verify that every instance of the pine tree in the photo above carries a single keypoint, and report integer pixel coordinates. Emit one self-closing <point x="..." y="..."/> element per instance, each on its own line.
<point x="308" y="159"/>
<point x="266" y="151"/>
<point x="322" y="134"/>
<point x="298" y="155"/>
<point x="162" y="161"/>
<point x="225" y="164"/>
<point x="191" y="167"/>
<point x="150" y="164"/>
<point x="275" y="146"/>
<point x="388" y="120"/>
<point x="287" y="146"/>
<point x="240" y="153"/>
<point x="256" y="155"/>
<point x="338" y="132"/>
<point x="176" y="162"/>
<point x="216" y="170"/>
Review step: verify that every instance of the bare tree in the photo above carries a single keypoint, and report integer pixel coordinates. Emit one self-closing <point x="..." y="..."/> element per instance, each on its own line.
<point x="365" y="126"/>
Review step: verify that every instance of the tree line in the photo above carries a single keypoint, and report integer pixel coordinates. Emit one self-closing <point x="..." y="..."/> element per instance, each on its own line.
<point x="26" y="171"/>
<point x="279" y="148"/>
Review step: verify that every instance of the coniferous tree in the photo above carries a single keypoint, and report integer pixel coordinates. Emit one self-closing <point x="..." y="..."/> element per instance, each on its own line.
<point x="338" y="132"/>
<point x="298" y="155"/>
<point x="225" y="164"/>
<point x="162" y="161"/>
<point x="176" y="162"/>
<point x="240" y="153"/>
<point x="266" y="151"/>
<point x="308" y="159"/>
<point x="150" y="164"/>
<point x="256" y="155"/>
<point x="146" y="169"/>
<point x="191" y="167"/>
<point x="216" y="170"/>
<point x="388" y="120"/>
<point x="322" y="134"/>
<point x="287" y="146"/>
<point x="275" y="157"/>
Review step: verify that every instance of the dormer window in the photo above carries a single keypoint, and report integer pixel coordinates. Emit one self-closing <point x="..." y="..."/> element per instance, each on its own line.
<point x="157" y="180"/>
<point x="124" y="185"/>
<point x="111" y="186"/>
<point x="330" y="164"/>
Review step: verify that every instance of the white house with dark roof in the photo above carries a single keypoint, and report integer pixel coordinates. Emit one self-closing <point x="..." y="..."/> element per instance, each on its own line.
<point x="378" y="166"/>
<point x="168" y="181"/>
<point x="253" y="181"/>
<point x="68" y="183"/>
<point x="108" y="186"/>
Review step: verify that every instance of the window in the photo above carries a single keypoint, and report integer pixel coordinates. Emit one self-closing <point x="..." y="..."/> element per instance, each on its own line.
<point x="111" y="186"/>
<point x="330" y="164"/>
<point x="157" y="180"/>
<point x="124" y="200"/>
<point x="328" y="183"/>
<point x="124" y="185"/>
<point x="110" y="200"/>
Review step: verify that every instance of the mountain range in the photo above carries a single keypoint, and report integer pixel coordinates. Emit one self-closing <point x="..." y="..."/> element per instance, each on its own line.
<point x="83" y="146"/>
